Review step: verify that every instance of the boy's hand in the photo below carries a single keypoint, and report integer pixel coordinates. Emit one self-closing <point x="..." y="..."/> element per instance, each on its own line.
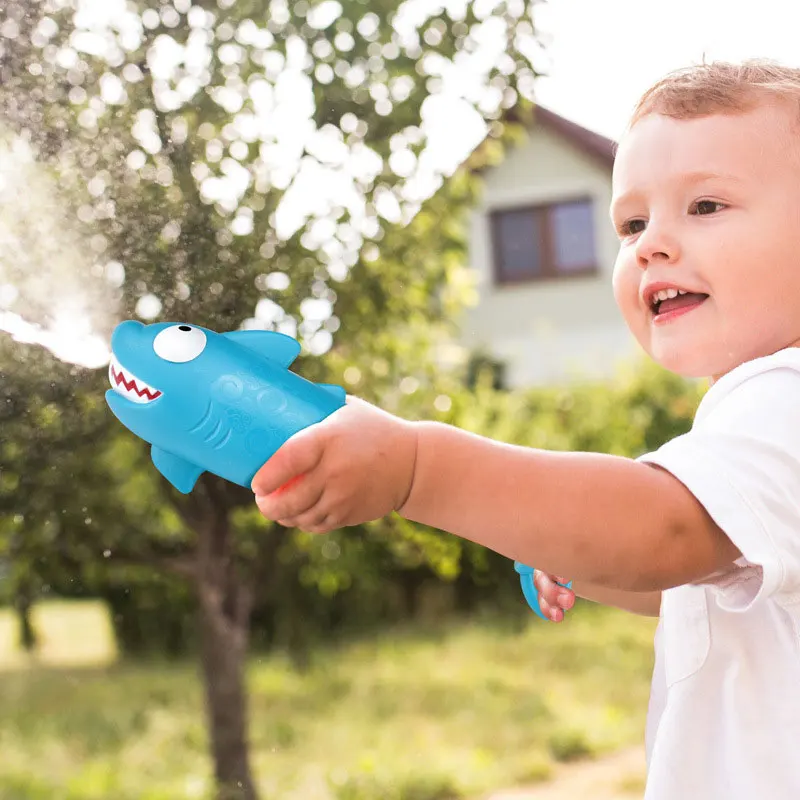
<point x="554" y="600"/>
<point x="354" y="466"/>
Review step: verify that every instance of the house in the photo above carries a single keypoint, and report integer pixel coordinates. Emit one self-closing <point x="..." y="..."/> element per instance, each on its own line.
<point x="542" y="248"/>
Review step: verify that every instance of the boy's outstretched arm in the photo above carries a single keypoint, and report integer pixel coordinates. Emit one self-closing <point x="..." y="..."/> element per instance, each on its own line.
<point x="647" y="604"/>
<point x="604" y="520"/>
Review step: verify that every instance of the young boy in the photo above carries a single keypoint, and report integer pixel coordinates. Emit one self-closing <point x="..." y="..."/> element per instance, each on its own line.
<point x="705" y="530"/>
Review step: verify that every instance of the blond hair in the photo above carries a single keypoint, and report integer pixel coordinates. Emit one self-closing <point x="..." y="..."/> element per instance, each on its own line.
<point x="720" y="87"/>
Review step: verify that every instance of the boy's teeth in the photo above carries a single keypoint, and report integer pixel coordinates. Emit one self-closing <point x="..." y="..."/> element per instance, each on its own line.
<point x="666" y="294"/>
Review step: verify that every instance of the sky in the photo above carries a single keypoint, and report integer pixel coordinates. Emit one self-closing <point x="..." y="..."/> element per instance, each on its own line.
<point x="605" y="53"/>
<point x="601" y="55"/>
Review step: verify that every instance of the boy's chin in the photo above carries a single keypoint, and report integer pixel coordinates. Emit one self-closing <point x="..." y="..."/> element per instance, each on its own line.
<point x="687" y="362"/>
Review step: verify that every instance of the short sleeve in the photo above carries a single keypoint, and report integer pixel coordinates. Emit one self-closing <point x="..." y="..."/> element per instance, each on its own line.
<point x="741" y="460"/>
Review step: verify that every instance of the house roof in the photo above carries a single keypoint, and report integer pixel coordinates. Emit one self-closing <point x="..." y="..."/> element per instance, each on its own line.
<point x="592" y="144"/>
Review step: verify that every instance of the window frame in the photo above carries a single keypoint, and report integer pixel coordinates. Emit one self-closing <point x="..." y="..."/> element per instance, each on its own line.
<point x="540" y="211"/>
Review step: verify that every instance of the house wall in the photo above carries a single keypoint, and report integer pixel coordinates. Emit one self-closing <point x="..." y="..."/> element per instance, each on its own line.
<point x="557" y="330"/>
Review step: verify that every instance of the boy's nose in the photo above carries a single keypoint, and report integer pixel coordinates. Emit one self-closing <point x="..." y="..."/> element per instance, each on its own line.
<point x="656" y="243"/>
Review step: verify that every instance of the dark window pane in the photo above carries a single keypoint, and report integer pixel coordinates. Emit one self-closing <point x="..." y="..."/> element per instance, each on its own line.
<point x="518" y="246"/>
<point x="573" y="235"/>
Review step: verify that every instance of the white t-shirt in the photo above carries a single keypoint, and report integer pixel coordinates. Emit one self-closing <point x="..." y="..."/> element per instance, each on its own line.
<point x="724" y="715"/>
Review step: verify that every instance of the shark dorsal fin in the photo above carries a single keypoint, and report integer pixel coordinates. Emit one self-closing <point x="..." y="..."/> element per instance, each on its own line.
<point x="276" y="346"/>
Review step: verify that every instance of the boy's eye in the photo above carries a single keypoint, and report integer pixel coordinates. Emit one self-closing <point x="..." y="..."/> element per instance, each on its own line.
<point x="705" y="204"/>
<point x="700" y="207"/>
<point x="627" y="228"/>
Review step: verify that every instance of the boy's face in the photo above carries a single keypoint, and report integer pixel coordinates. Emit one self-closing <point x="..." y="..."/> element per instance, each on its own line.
<point x="732" y="239"/>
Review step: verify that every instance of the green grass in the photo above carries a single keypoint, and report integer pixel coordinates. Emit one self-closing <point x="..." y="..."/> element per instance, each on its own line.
<point x="418" y="714"/>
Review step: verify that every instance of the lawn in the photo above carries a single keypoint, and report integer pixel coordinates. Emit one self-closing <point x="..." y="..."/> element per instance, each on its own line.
<point x="420" y="713"/>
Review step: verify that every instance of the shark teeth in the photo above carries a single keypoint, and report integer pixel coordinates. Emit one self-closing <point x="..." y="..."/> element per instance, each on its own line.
<point x="128" y="385"/>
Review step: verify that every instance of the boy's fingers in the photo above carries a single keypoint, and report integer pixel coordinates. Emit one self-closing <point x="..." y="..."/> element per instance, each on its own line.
<point x="538" y="579"/>
<point x="298" y="455"/>
<point x="546" y="586"/>
<point x="283" y="505"/>
<point x="550" y="593"/>
<point x="551" y="611"/>
<point x="566" y="599"/>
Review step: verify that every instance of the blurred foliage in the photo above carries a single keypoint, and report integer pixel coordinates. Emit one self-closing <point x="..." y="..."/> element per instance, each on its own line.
<point x="48" y="414"/>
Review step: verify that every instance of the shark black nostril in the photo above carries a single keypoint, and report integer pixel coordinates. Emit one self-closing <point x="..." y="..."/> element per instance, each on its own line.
<point x="184" y="328"/>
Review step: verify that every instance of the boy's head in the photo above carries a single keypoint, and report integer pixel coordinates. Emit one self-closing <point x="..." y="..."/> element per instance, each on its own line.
<point x="706" y="199"/>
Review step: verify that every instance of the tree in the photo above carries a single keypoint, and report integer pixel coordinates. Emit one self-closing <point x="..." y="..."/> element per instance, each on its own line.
<point x="183" y="132"/>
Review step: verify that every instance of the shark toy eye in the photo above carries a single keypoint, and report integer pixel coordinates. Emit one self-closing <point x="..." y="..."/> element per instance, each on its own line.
<point x="179" y="343"/>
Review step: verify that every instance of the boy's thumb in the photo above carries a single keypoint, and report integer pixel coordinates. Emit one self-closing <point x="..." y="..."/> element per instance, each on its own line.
<point x="298" y="455"/>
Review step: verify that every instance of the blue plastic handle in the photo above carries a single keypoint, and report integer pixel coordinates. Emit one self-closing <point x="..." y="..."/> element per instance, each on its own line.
<point x="529" y="589"/>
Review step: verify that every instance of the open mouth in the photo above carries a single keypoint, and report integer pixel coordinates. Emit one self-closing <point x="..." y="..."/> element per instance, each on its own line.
<point x="128" y="385"/>
<point x="672" y="300"/>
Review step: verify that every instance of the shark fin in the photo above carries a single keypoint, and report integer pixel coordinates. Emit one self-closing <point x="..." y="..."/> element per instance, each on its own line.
<point x="181" y="474"/>
<point x="276" y="346"/>
<point x="337" y="391"/>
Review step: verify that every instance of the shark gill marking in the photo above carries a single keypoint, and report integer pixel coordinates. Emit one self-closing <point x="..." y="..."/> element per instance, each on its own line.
<point x="219" y="427"/>
<point x="205" y="418"/>
<point x="214" y="432"/>
<point x="219" y="445"/>
<point x="225" y="436"/>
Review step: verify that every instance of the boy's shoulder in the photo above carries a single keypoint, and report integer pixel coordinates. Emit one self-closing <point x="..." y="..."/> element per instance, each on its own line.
<point x="754" y="384"/>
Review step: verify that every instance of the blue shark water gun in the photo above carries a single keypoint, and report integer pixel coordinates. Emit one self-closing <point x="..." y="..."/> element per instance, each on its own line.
<point x="211" y="402"/>
<point x="529" y="589"/>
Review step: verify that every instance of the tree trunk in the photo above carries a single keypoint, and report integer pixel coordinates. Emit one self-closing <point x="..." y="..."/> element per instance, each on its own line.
<point x="24" y="602"/>
<point x="410" y="581"/>
<point x="223" y="649"/>
<point x="466" y="592"/>
<point x="225" y="603"/>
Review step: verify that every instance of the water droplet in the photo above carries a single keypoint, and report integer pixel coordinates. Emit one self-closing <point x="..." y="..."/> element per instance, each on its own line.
<point x="148" y="306"/>
<point x="9" y="29"/>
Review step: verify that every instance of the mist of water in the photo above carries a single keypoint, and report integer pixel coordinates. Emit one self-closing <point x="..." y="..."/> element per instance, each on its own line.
<point x="54" y="286"/>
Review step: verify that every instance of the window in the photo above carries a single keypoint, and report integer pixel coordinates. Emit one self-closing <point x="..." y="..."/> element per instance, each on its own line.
<point x="544" y="241"/>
